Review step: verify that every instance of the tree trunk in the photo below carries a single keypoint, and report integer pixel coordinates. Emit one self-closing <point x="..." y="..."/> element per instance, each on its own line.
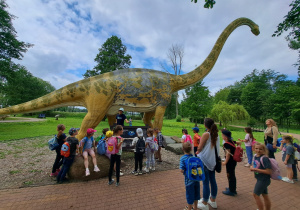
<point x="176" y="103"/>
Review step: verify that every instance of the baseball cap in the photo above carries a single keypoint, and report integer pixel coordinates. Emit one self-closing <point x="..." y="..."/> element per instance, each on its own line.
<point x="139" y="132"/>
<point x="73" y="130"/>
<point x="227" y="133"/>
<point x="90" y="131"/>
<point x="196" y="129"/>
<point x="121" y="109"/>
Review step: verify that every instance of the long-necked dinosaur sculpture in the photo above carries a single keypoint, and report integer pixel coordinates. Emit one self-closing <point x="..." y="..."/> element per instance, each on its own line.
<point x="138" y="90"/>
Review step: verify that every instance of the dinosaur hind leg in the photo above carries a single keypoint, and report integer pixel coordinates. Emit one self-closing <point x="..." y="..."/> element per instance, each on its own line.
<point x="148" y="118"/>
<point x="159" y="116"/>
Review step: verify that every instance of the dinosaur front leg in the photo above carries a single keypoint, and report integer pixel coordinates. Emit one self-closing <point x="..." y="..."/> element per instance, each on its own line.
<point x="159" y="116"/>
<point x="148" y="116"/>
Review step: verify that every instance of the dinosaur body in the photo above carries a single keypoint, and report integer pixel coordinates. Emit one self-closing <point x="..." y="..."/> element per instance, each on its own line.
<point x="139" y="90"/>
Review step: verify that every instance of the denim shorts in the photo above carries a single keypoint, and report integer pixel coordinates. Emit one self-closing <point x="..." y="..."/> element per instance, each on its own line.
<point x="192" y="192"/>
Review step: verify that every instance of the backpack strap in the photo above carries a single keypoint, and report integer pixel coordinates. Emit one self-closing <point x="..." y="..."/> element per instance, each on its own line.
<point x="230" y="145"/>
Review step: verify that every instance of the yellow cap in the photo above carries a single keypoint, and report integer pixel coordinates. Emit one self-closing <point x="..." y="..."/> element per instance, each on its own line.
<point x="109" y="134"/>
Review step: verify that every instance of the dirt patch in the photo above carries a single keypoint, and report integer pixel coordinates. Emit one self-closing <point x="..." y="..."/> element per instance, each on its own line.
<point x="28" y="162"/>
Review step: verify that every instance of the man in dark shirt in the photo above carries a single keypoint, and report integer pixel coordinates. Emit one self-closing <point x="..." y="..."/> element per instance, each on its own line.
<point x="120" y="118"/>
<point x="74" y="146"/>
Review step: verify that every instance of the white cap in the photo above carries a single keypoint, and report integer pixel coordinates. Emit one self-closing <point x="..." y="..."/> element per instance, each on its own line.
<point x="121" y="109"/>
<point x="139" y="132"/>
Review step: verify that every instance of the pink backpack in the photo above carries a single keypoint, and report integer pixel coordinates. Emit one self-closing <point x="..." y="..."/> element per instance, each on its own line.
<point x="112" y="143"/>
<point x="188" y="138"/>
<point x="275" y="168"/>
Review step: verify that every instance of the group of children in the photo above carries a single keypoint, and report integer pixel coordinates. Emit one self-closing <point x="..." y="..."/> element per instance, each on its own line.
<point x="260" y="164"/>
<point x="151" y="147"/>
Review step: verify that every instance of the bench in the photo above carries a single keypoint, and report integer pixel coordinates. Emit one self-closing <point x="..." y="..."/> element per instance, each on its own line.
<point x="42" y="116"/>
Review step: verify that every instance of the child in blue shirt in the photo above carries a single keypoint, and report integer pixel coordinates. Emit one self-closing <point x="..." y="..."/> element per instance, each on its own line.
<point x="192" y="188"/>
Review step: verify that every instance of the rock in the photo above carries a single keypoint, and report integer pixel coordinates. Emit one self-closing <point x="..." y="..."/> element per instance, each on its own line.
<point x="176" y="139"/>
<point x="176" y="148"/>
<point x="77" y="170"/>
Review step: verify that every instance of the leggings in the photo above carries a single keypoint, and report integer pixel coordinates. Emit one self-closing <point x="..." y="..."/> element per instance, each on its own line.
<point x="114" y="159"/>
<point x="58" y="161"/>
<point x="230" y="169"/>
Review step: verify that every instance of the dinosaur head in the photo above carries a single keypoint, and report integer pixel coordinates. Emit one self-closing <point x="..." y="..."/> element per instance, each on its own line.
<point x="255" y="30"/>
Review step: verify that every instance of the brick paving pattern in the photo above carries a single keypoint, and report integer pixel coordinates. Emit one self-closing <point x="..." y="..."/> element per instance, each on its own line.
<point x="158" y="190"/>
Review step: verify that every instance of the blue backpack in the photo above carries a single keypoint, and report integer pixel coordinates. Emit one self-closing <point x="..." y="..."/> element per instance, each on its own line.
<point x="53" y="144"/>
<point x="194" y="169"/>
<point x="101" y="147"/>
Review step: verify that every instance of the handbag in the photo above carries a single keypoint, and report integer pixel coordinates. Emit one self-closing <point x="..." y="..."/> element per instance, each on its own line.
<point x="218" y="167"/>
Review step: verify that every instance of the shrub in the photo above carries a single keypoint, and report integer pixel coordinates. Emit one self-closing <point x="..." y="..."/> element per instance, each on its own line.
<point x="251" y="122"/>
<point x="178" y="118"/>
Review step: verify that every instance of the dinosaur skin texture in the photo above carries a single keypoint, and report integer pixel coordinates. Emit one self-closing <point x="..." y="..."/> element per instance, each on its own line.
<point x="138" y="90"/>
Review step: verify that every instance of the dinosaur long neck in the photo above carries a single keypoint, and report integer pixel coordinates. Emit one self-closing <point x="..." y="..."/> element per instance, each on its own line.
<point x="179" y="82"/>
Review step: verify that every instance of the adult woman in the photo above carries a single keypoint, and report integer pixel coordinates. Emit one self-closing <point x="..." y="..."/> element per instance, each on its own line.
<point x="206" y="151"/>
<point x="271" y="135"/>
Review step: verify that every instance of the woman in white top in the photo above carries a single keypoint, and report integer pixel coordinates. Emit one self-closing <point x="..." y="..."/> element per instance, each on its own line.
<point x="206" y="151"/>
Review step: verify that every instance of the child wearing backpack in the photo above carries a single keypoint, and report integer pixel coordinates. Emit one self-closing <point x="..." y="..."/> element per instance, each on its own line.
<point x="102" y="137"/>
<point x="160" y="142"/>
<point x="69" y="158"/>
<point x="61" y="138"/>
<point x="192" y="188"/>
<point x="187" y="138"/>
<point x="87" y="144"/>
<point x="288" y="157"/>
<point x="114" y="146"/>
<point x="139" y="150"/>
<point x="262" y="169"/>
<point x="248" y="144"/>
<point x="230" y="163"/>
<point x="150" y="150"/>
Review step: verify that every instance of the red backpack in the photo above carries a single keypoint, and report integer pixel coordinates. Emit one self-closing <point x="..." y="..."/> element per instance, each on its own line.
<point x="65" y="149"/>
<point x="238" y="153"/>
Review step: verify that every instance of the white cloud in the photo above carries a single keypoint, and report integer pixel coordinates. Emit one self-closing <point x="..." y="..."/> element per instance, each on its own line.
<point x="67" y="38"/>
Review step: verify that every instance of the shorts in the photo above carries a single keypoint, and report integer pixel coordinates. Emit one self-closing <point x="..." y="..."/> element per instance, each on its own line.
<point x="88" y="151"/>
<point x="261" y="187"/>
<point x="289" y="165"/>
<point x="192" y="192"/>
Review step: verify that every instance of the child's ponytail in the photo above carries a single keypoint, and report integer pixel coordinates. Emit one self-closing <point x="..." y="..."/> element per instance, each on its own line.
<point x="249" y="131"/>
<point x="210" y="124"/>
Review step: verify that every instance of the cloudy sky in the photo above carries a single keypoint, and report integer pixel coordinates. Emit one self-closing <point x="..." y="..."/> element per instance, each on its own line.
<point x="67" y="35"/>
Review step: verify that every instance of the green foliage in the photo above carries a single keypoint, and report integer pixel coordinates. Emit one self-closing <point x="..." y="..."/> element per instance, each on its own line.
<point x="21" y="86"/>
<point x="208" y="3"/>
<point x="10" y="47"/>
<point x="197" y="102"/>
<point x="222" y="95"/>
<point x="170" y="112"/>
<point x="251" y="122"/>
<point x="111" y="57"/>
<point x="291" y="23"/>
<point x="226" y="113"/>
<point x="178" y="118"/>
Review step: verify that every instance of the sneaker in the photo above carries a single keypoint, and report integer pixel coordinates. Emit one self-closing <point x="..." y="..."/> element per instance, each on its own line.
<point x="140" y="172"/>
<point x="96" y="169"/>
<point x="121" y="174"/>
<point x="111" y="182"/>
<point x="202" y="206"/>
<point x="284" y="179"/>
<point x="133" y="172"/>
<point x="295" y="179"/>
<point x="227" y="192"/>
<point x="147" y="170"/>
<point x="247" y="165"/>
<point x="54" y="174"/>
<point x="227" y="189"/>
<point x="288" y="181"/>
<point x="136" y="173"/>
<point x="87" y="172"/>
<point x="213" y="204"/>
<point x="153" y="168"/>
<point x="150" y="168"/>
<point x="117" y="184"/>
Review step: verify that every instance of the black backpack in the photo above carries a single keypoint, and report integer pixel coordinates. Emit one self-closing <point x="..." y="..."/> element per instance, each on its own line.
<point x="140" y="145"/>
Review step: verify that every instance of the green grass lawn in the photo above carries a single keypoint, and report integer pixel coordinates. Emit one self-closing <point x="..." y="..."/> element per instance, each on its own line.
<point x="20" y="130"/>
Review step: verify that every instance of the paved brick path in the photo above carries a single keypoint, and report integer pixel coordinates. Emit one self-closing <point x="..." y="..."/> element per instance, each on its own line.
<point x="158" y="190"/>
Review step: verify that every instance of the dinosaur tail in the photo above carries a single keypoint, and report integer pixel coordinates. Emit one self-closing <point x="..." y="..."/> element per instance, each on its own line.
<point x="183" y="81"/>
<point x="66" y="96"/>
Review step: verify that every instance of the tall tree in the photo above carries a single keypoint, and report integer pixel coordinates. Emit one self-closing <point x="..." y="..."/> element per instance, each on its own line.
<point x="291" y="23"/>
<point x="175" y="58"/>
<point x="21" y="86"/>
<point x="10" y="46"/>
<point x="111" y="57"/>
<point x="198" y="102"/>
